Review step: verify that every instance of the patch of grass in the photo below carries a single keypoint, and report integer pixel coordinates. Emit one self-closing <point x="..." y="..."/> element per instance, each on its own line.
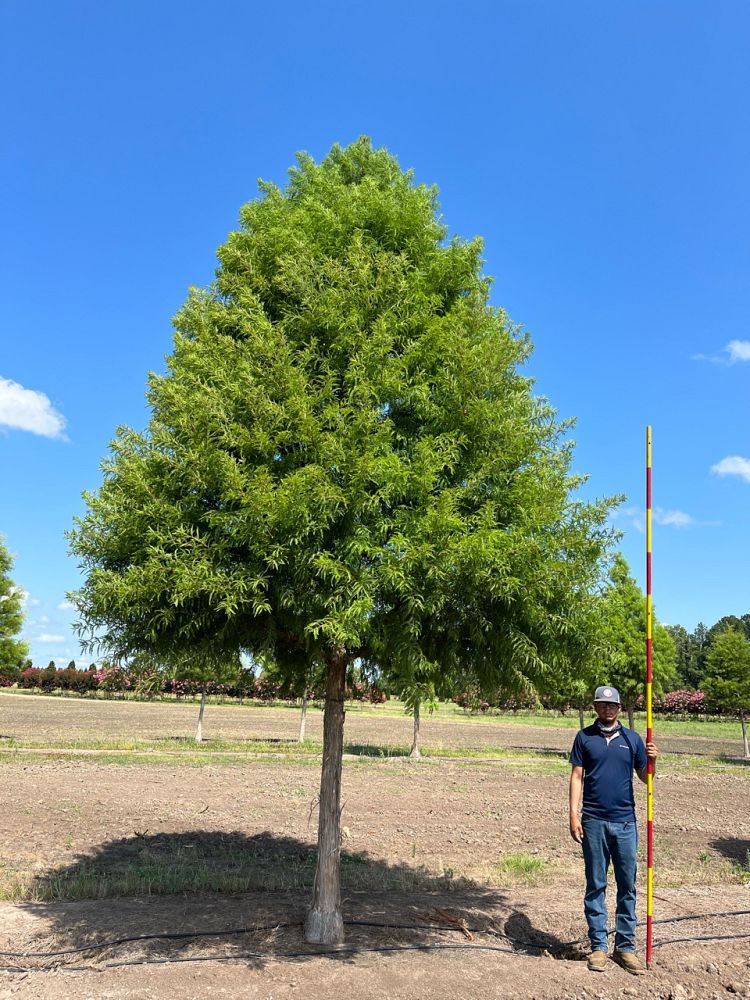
<point x="521" y="867"/>
<point x="172" y="745"/>
<point x="742" y="869"/>
<point x="135" y="759"/>
<point x="181" y="870"/>
<point x="492" y="752"/>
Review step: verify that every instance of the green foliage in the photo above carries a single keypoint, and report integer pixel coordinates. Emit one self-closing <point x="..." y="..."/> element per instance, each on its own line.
<point x="343" y="458"/>
<point x="728" y="623"/>
<point x="12" y="650"/>
<point x="727" y="680"/>
<point x="693" y="647"/>
<point x="419" y="697"/>
<point x="293" y="678"/>
<point x="623" y="629"/>
<point x="690" y="653"/>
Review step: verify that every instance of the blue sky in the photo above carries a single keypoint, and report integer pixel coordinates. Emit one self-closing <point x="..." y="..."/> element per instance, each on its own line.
<point x="600" y="149"/>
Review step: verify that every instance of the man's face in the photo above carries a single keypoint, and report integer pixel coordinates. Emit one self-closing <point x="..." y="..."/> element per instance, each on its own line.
<point x="606" y="712"/>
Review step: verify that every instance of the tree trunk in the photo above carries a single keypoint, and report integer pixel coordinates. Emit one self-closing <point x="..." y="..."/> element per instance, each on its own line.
<point x="199" y="730"/>
<point x="415" y="751"/>
<point x="324" y="924"/>
<point x="303" y="716"/>
<point x="744" y="735"/>
<point x="631" y="715"/>
<point x="581" y="720"/>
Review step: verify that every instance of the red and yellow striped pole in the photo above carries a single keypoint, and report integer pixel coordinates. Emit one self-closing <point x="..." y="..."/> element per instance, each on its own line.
<point x="649" y="717"/>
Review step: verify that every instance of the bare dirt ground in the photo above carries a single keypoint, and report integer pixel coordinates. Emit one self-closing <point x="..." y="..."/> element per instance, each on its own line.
<point x="40" y="718"/>
<point x="423" y="848"/>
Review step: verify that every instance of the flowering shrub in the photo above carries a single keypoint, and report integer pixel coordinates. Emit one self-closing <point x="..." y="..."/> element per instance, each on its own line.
<point x="677" y="703"/>
<point x="503" y="700"/>
<point x="689" y="702"/>
<point x="31" y="677"/>
<point x="71" y="679"/>
<point x="114" y="678"/>
<point x="9" y="676"/>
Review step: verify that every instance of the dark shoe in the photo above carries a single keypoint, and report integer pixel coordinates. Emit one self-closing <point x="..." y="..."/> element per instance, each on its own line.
<point x="597" y="961"/>
<point x="630" y="962"/>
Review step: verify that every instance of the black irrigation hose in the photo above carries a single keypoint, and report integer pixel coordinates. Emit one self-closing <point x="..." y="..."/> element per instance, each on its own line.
<point x="235" y="931"/>
<point x="346" y="950"/>
<point x="165" y="936"/>
<point x="710" y="937"/>
<point x="698" y="916"/>
<point x="350" y="950"/>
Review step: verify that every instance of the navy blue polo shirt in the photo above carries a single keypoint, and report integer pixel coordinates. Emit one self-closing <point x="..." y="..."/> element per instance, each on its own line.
<point x="608" y="772"/>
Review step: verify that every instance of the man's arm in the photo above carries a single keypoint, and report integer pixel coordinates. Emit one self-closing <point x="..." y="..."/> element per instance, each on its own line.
<point x="576" y="787"/>
<point x="652" y="753"/>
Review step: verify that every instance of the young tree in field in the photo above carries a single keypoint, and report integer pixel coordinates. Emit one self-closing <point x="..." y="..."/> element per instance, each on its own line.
<point x="417" y="696"/>
<point x="727" y="680"/>
<point x="149" y="675"/>
<point x="12" y="649"/>
<point x="298" y="677"/>
<point x="344" y="463"/>
<point x="576" y="688"/>
<point x="623" y="634"/>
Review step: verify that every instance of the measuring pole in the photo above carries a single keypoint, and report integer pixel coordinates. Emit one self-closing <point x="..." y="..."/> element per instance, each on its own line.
<point x="649" y="716"/>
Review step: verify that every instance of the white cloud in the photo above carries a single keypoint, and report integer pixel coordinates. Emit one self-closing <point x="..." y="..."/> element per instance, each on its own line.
<point x="65" y="606"/>
<point x="733" y="465"/>
<point x="28" y="410"/>
<point x="46" y="637"/>
<point x="39" y="622"/>
<point x="735" y="350"/>
<point x="738" y="350"/>
<point x="673" y="518"/>
<point x="636" y="516"/>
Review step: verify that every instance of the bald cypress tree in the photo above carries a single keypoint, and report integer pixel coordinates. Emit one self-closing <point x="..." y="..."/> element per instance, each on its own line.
<point x="343" y="464"/>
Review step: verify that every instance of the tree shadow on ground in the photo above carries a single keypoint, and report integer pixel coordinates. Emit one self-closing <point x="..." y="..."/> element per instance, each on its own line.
<point x="214" y="895"/>
<point x="729" y="758"/>
<point x="733" y="848"/>
<point x="530" y="940"/>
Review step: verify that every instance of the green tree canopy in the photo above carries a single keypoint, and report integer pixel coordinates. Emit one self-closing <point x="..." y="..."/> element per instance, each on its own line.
<point x="623" y="616"/>
<point x="344" y="462"/>
<point x="729" y="623"/>
<point x="12" y="649"/>
<point x="727" y="680"/>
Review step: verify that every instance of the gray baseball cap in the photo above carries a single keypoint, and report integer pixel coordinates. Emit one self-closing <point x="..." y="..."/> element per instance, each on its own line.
<point x="607" y="693"/>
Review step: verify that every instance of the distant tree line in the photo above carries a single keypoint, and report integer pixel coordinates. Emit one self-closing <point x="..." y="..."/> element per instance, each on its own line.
<point x="692" y="648"/>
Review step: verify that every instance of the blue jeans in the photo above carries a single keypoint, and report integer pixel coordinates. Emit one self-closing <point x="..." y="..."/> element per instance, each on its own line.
<point x="604" y="842"/>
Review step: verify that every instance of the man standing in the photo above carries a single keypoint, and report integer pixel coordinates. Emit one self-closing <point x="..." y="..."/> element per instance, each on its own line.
<point x="604" y="757"/>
